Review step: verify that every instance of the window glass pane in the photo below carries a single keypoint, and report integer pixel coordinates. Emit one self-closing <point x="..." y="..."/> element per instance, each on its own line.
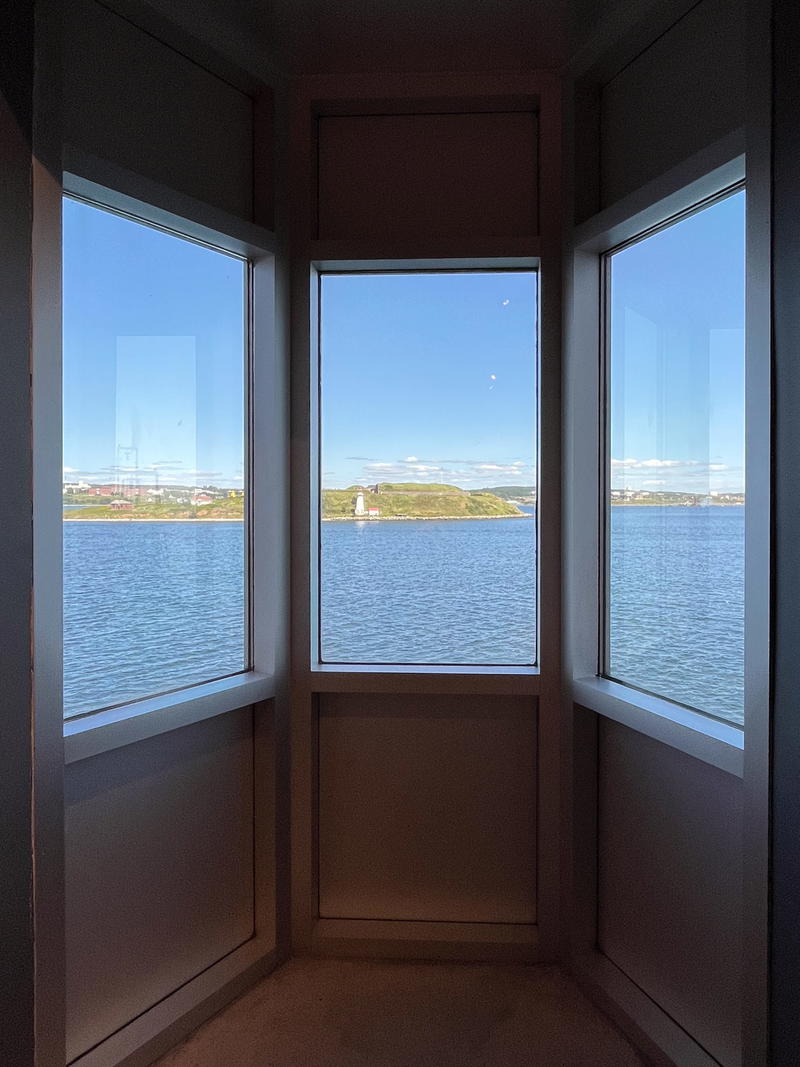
<point x="675" y="622"/>
<point x="428" y="468"/>
<point x="155" y="573"/>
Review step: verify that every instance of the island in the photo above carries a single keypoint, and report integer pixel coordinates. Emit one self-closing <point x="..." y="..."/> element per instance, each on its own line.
<point x="410" y="500"/>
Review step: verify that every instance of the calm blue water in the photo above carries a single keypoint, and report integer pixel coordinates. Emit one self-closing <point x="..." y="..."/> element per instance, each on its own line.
<point x="429" y="591"/>
<point x="677" y="604"/>
<point x="149" y="607"/>
<point x="154" y="606"/>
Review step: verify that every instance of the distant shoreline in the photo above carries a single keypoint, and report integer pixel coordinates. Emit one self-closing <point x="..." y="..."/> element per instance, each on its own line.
<point x="396" y="518"/>
<point x="133" y="518"/>
<point x="661" y="504"/>
<point x="419" y="518"/>
<point x="337" y="518"/>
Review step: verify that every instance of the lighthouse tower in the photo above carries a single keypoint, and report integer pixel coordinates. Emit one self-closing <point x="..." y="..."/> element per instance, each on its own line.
<point x="360" y="509"/>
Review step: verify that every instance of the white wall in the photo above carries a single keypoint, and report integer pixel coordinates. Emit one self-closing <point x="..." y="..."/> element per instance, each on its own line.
<point x="160" y="869"/>
<point x="670" y="882"/>
<point x="427" y="808"/>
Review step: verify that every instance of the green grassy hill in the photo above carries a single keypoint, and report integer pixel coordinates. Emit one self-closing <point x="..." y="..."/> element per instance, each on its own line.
<point x="511" y="492"/>
<point x="225" y="508"/>
<point x="404" y="500"/>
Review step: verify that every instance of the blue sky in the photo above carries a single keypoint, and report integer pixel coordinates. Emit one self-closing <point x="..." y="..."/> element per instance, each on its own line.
<point x="425" y="377"/>
<point x="153" y="355"/>
<point x="677" y="355"/>
<point x="429" y="378"/>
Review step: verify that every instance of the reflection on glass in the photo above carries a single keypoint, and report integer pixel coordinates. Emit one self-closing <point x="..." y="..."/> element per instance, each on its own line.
<point x="676" y="477"/>
<point x="154" y="461"/>
<point x="428" y="468"/>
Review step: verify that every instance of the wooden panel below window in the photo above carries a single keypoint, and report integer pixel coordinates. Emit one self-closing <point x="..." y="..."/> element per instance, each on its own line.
<point x="159" y="873"/>
<point x="427" y="808"/>
<point x="670" y="874"/>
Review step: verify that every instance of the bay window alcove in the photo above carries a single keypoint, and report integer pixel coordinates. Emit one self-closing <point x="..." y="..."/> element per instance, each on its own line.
<point x="395" y="593"/>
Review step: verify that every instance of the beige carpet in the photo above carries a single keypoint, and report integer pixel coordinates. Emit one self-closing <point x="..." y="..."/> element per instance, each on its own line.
<point x="335" y="1013"/>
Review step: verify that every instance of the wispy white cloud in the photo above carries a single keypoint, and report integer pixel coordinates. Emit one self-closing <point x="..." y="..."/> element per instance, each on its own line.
<point x="636" y="464"/>
<point x="466" y="473"/>
<point x="680" y="475"/>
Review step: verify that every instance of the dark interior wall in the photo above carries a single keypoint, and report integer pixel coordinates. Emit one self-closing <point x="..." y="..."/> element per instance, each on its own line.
<point x="682" y="93"/>
<point x="134" y="101"/>
<point x="785" y="944"/>
<point x="16" y="547"/>
<point x="427" y="175"/>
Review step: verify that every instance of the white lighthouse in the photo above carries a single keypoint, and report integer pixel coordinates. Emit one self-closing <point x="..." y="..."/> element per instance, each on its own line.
<point x="360" y="509"/>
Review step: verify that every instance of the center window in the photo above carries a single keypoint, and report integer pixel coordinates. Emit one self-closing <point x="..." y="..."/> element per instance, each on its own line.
<point x="428" y="464"/>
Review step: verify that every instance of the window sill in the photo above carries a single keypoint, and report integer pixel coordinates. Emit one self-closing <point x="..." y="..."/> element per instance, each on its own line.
<point x="718" y="743"/>
<point x="422" y="678"/>
<point x="103" y="731"/>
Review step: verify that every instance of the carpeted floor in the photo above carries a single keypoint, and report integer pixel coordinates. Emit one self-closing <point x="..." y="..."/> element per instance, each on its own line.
<point x="344" y="1013"/>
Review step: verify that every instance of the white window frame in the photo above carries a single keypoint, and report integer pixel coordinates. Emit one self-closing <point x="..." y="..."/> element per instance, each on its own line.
<point x="704" y="177"/>
<point x="114" y="188"/>
<point x="382" y="677"/>
<point x="604" y="621"/>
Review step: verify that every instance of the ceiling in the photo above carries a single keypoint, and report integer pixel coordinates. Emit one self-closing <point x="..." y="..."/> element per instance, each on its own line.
<point x="367" y="36"/>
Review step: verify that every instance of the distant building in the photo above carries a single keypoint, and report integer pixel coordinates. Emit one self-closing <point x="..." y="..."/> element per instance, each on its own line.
<point x="373" y="513"/>
<point x="359" y="508"/>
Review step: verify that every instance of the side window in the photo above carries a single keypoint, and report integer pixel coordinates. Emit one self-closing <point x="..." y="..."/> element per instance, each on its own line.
<point x="675" y="492"/>
<point x="155" y="461"/>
